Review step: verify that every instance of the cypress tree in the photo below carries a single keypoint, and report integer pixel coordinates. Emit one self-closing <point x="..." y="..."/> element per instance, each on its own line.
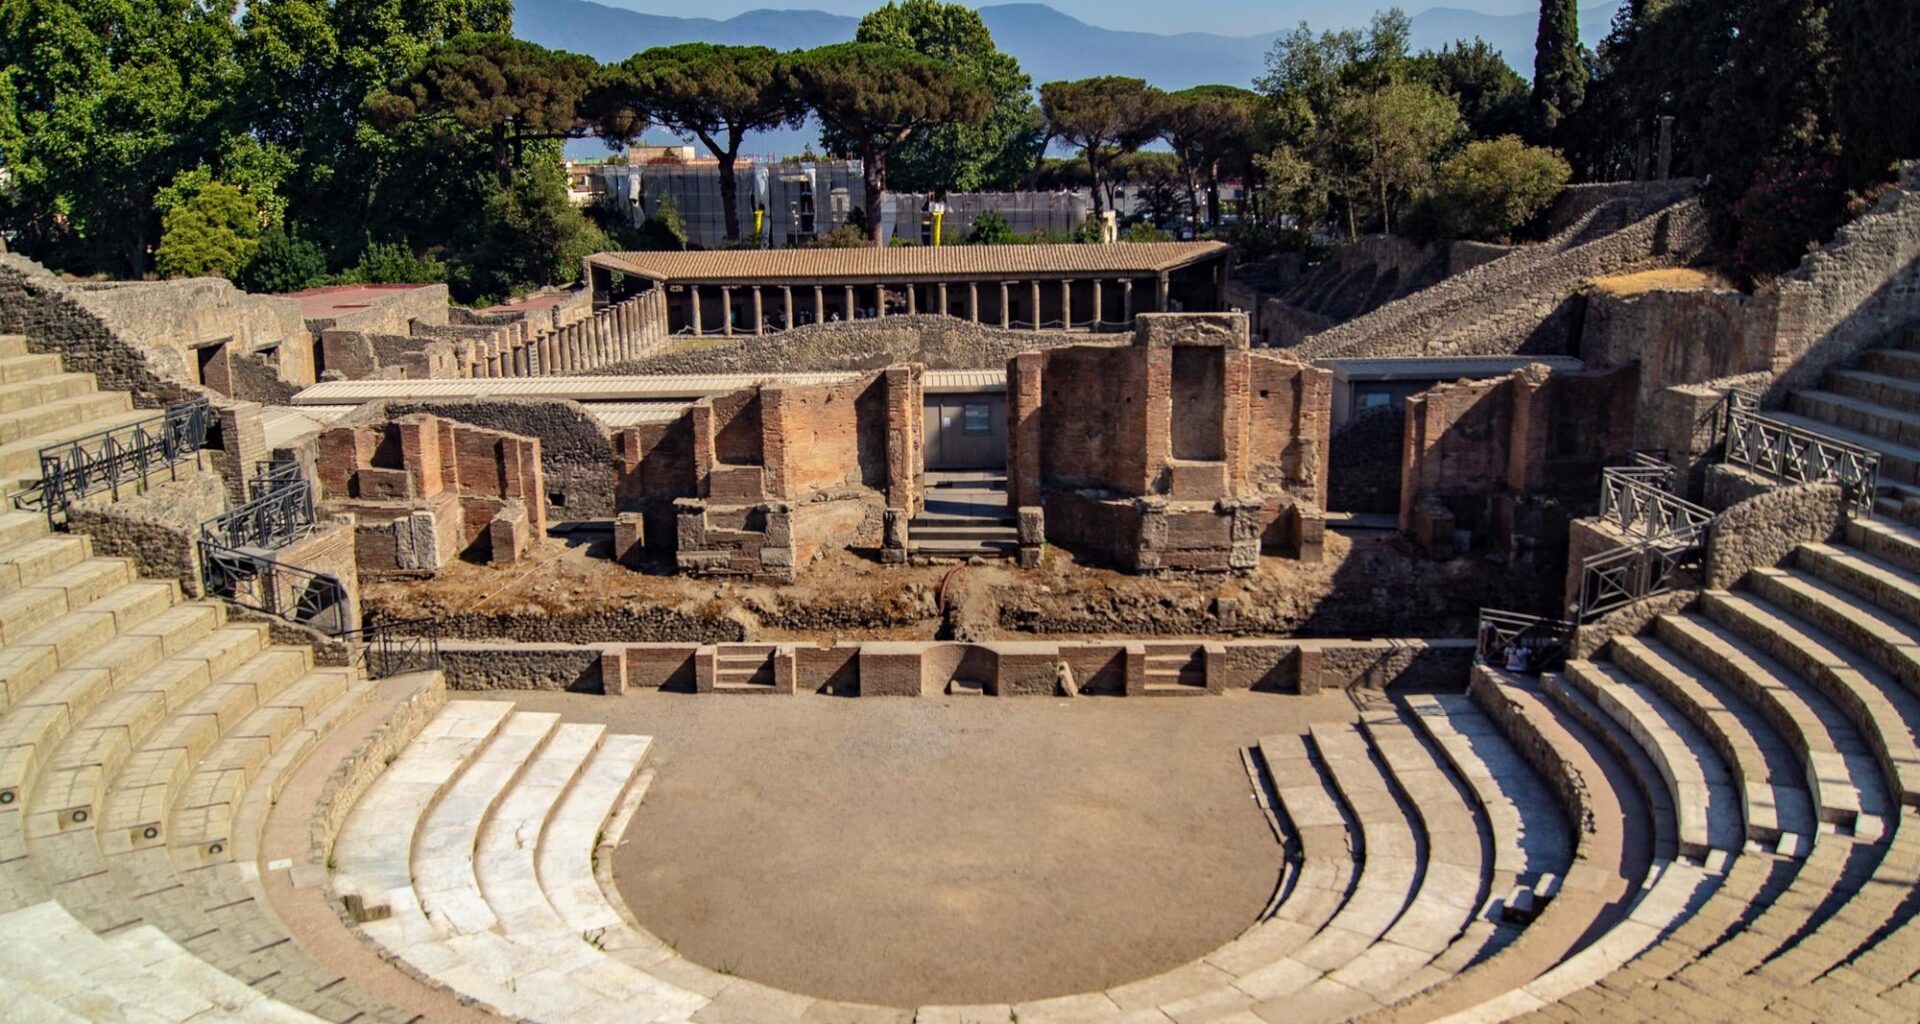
<point x="1559" y="71"/>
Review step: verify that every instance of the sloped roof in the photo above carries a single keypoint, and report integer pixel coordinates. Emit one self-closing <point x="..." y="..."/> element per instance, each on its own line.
<point x="773" y="266"/>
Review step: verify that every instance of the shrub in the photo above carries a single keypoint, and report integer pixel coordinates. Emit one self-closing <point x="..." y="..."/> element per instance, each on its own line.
<point x="1490" y="189"/>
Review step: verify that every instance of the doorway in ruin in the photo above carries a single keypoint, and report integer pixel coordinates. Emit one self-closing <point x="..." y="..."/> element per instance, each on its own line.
<point x="966" y="432"/>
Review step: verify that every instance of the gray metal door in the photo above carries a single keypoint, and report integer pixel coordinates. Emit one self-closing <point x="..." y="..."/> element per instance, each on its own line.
<point x="966" y="431"/>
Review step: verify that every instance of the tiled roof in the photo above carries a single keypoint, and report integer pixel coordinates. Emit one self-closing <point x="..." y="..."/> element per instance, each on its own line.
<point x="750" y="266"/>
<point x="579" y="389"/>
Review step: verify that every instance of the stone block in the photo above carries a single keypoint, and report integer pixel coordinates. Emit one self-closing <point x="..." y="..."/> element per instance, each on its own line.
<point x="1029" y="557"/>
<point x="384" y="485"/>
<point x="613" y="672"/>
<point x="1196" y="481"/>
<point x="736" y="485"/>
<point x="509" y="535"/>
<point x="893" y="536"/>
<point x="629" y="538"/>
<point x="1031" y="522"/>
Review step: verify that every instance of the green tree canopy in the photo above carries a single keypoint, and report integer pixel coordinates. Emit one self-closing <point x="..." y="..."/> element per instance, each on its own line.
<point x="997" y="154"/>
<point x="1492" y="96"/>
<point x="213" y="230"/>
<point x="1489" y="190"/>
<point x="1559" y="67"/>
<point x="1210" y="126"/>
<point x="1400" y="130"/>
<point x="879" y="98"/>
<point x="1105" y="117"/>
<point x="715" y="94"/>
<point x="507" y="90"/>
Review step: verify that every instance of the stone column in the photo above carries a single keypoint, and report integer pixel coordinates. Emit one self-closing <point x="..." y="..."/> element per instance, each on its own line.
<point x="1066" y="304"/>
<point x="726" y="310"/>
<point x="759" y="312"/>
<point x="849" y="302"/>
<point x="941" y="290"/>
<point x="543" y="352"/>
<point x="819" y="305"/>
<point x="1160" y="288"/>
<point x="1006" y="306"/>
<point x="693" y="294"/>
<point x="973" y="301"/>
<point x="1126" y="298"/>
<point x="786" y="300"/>
<point x="880" y="302"/>
<point x="913" y="298"/>
<point x="1098" y="313"/>
<point x="1036" y="306"/>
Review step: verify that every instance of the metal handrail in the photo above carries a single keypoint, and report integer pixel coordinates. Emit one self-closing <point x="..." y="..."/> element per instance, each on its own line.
<point x="1544" y="642"/>
<point x="125" y="455"/>
<point x="1795" y="454"/>
<point x="275" y="519"/>
<point x="253" y="579"/>
<point x="1633" y="501"/>
<point x="391" y="648"/>
<point x="1620" y="576"/>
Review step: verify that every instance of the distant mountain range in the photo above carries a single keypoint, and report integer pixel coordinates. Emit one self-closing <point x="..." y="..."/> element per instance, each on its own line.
<point x="1050" y="45"/>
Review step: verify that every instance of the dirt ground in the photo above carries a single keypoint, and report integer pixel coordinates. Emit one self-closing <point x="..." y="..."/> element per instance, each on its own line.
<point x="1368" y="587"/>
<point x="964" y="850"/>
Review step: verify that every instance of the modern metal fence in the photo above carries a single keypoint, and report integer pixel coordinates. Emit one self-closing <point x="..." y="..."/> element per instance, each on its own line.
<point x="1523" y="643"/>
<point x="393" y="648"/>
<point x="1636" y="499"/>
<point x="254" y="579"/>
<point x="1794" y="454"/>
<point x="126" y="456"/>
<point x="280" y="513"/>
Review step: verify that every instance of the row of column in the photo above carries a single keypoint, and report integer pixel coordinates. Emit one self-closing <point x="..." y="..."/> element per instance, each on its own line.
<point x="696" y="319"/>
<point x="631" y="329"/>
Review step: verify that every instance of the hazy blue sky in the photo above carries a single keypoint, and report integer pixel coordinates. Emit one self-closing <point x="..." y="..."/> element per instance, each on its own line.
<point x="1224" y="17"/>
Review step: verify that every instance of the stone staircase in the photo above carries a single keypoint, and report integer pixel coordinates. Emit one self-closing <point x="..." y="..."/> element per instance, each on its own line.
<point x="966" y="516"/>
<point x="1874" y="403"/>
<point x="135" y="729"/>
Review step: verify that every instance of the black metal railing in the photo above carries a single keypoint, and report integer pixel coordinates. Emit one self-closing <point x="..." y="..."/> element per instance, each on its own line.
<point x="126" y="456"/>
<point x="392" y="648"/>
<point x="1620" y="576"/>
<point x="1519" y="642"/>
<point x="277" y="515"/>
<point x="269" y="477"/>
<point x="1794" y="454"/>
<point x="1637" y="500"/>
<point x="254" y="579"/>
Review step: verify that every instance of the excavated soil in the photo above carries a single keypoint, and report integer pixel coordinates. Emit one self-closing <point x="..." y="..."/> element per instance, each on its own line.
<point x="573" y="592"/>
<point x="952" y="850"/>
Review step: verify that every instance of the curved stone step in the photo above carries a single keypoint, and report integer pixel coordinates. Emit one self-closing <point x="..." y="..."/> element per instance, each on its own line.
<point x="1842" y="776"/>
<point x="1886" y="586"/>
<point x="1705" y="802"/>
<point x="1530" y="835"/>
<point x="443" y="869"/>
<point x="1775" y="806"/>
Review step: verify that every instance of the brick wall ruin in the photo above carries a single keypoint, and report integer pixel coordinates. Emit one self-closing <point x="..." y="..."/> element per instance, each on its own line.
<point x="762" y="480"/>
<point x="426" y="490"/>
<point x="1509" y="460"/>
<point x="1095" y="441"/>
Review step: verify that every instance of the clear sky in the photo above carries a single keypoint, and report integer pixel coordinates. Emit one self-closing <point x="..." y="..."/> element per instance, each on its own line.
<point x="1223" y="17"/>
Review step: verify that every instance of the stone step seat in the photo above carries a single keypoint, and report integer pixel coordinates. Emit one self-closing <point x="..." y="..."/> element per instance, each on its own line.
<point x="92" y="753"/>
<point x="1448" y="895"/>
<point x="1706" y="801"/>
<point x="1661" y="901"/>
<point x="21" y="1006"/>
<point x="25" y="663"/>
<point x="964" y="548"/>
<point x="1858" y="415"/>
<point x="53" y="387"/>
<point x="1899" y="463"/>
<point x="1885" y="714"/>
<point x="1884" y="638"/>
<point x="137" y="975"/>
<point x="137" y="807"/>
<point x="26" y="366"/>
<point x="25" y="563"/>
<point x="18" y="526"/>
<point x="533" y="842"/>
<point x="1881" y="901"/>
<point x="58" y="414"/>
<point x="973" y="530"/>
<point x="1529" y="832"/>
<point x="71" y="689"/>
<point x="1773" y="801"/>
<point x="1383" y="889"/>
<point x="1842" y="777"/>
<point x="449" y="932"/>
<point x="1900" y="363"/>
<point x="1886" y="585"/>
<point x="1889" y="540"/>
<point x="1901" y="393"/>
<point x="203" y="816"/>
<point x="20" y="459"/>
<point x="443" y="867"/>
